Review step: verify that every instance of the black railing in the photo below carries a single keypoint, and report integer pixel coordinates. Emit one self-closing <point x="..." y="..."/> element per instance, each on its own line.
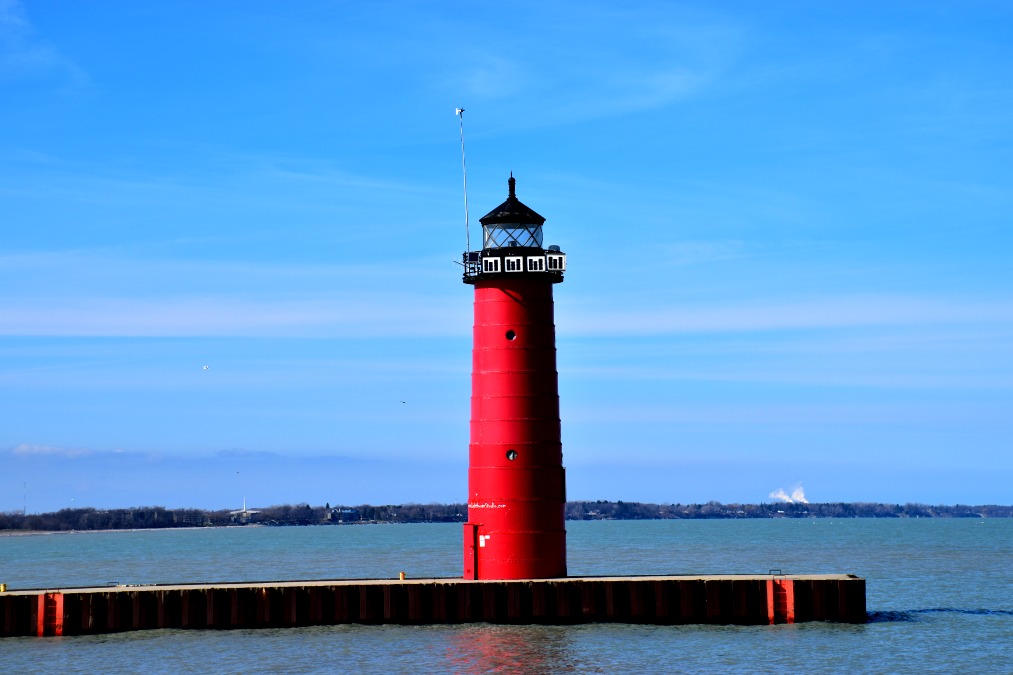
<point x="474" y="268"/>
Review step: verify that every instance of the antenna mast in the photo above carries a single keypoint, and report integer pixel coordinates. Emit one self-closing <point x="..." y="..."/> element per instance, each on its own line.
<point x="464" y="169"/>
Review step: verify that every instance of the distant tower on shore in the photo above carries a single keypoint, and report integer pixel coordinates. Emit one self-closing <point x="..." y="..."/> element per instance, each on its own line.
<point x="516" y="480"/>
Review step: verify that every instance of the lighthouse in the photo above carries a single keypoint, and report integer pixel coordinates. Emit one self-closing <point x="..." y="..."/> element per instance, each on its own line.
<point x="516" y="480"/>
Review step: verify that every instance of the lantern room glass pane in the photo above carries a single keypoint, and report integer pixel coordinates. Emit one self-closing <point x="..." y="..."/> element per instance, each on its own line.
<point x="502" y="235"/>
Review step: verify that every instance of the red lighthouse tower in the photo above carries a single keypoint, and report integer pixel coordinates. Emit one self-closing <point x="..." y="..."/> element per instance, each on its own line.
<point x="516" y="480"/>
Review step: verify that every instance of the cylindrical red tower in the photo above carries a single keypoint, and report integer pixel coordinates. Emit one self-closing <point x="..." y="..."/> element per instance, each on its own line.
<point x="516" y="480"/>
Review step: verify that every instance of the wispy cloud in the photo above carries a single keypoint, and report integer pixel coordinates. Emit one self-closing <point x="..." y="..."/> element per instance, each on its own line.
<point x="103" y="293"/>
<point x="29" y="450"/>
<point x="402" y="313"/>
<point x="682" y="411"/>
<point x="662" y="56"/>
<point x="695" y="252"/>
<point x="492" y="76"/>
<point x="361" y="316"/>
<point x="214" y="175"/>
<point x="25" y="55"/>
<point x="842" y="311"/>
<point x="240" y="453"/>
<point x="891" y="342"/>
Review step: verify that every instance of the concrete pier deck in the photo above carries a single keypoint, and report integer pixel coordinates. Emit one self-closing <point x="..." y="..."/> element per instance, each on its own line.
<point x="717" y="599"/>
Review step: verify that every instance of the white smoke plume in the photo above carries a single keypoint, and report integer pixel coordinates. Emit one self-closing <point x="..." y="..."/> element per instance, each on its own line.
<point x="797" y="495"/>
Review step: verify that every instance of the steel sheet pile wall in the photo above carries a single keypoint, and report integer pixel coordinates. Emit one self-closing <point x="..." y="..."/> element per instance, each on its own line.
<point x="659" y="600"/>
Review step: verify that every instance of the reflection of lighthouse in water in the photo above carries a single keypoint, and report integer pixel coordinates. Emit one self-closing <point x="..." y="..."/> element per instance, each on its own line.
<point x="516" y="481"/>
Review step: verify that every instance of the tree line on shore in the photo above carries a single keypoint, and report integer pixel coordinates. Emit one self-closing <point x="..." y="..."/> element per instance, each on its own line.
<point x="152" y="517"/>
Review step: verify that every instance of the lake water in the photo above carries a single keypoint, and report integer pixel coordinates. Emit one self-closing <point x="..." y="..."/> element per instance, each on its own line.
<point x="940" y="599"/>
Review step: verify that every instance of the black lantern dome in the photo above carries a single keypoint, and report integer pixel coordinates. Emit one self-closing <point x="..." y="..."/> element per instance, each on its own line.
<point x="511" y="224"/>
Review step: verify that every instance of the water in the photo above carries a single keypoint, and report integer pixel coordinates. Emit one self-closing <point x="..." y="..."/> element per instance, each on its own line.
<point x="939" y="599"/>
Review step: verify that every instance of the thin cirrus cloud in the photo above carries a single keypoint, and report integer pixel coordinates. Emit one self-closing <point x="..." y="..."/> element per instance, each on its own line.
<point x="240" y="317"/>
<point x="595" y="76"/>
<point x="88" y="294"/>
<point x="32" y="450"/>
<point x="25" y="56"/>
<point x="99" y="294"/>
<point x="882" y="374"/>
<point x="792" y="415"/>
<point x="394" y="313"/>
<point x="840" y="311"/>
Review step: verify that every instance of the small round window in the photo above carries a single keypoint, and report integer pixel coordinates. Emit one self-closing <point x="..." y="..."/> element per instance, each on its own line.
<point x="511" y="455"/>
<point x="510" y="335"/>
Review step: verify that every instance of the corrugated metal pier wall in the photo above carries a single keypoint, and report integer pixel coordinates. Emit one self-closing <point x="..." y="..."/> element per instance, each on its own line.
<point x="730" y="599"/>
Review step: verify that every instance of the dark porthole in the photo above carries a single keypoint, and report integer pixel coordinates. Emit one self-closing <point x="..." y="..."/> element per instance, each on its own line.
<point x="510" y="335"/>
<point x="511" y="455"/>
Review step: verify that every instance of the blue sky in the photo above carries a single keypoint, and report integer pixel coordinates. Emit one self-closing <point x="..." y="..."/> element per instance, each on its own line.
<point x="787" y="227"/>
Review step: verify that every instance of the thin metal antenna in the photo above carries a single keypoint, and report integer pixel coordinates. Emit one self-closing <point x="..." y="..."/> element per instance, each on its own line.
<point x="464" y="169"/>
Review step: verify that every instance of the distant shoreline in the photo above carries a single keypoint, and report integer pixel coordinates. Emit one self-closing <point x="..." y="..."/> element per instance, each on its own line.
<point x="157" y="517"/>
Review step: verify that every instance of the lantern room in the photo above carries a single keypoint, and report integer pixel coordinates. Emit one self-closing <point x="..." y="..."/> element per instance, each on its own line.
<point x="511" y="224"/>
<point x="512" y="244"/>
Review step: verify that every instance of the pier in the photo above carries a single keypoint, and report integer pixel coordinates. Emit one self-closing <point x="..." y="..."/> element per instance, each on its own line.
<point x="717" y="599"/>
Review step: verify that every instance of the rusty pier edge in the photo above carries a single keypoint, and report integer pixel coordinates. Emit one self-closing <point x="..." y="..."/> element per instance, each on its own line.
<point x="718" y="599"/>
